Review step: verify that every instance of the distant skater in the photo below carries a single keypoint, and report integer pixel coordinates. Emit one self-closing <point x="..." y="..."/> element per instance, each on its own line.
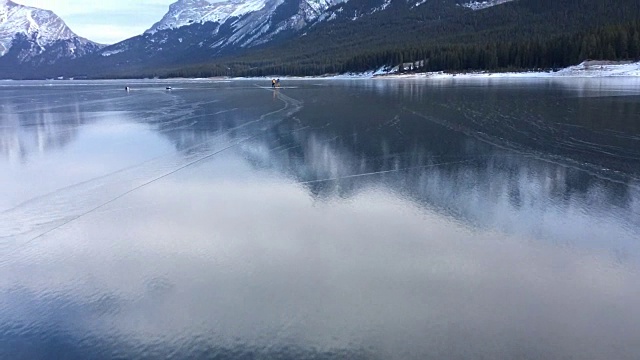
<point x="273" y="83"/>
<point x="277" y="82"/>
<point x="126" y="88"/>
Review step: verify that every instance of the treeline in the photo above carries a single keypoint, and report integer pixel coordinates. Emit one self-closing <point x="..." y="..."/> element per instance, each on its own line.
<point x="621" y="42"/>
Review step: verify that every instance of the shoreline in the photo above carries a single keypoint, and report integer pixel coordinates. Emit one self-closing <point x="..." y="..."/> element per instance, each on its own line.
<point x="586" y="69"/>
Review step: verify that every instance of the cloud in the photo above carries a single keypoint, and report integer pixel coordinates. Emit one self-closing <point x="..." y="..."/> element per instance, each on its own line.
<point x="105" y="21"/>
<point x="109" y="34"/>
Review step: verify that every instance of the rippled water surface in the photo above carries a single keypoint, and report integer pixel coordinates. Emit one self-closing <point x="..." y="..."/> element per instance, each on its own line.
<point x="327" y="219"/>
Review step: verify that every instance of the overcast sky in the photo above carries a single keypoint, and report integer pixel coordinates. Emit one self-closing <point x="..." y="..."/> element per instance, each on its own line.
<point x="105" y="21"/>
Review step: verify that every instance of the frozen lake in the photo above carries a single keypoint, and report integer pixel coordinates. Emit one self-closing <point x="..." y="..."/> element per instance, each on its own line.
<point x="327" y="219"/>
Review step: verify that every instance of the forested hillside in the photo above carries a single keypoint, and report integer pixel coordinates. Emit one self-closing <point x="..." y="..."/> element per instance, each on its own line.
<point x="524" y="34"/>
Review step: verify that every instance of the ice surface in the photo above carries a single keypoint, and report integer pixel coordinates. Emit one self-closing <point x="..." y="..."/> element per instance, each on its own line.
<point x="350" y="218"/>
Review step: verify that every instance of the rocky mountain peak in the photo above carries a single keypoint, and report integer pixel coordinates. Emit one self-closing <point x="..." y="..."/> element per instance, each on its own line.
<point x="187" y="12"/>
<point x="42" y="26"/>
<point x="30" y="35"/>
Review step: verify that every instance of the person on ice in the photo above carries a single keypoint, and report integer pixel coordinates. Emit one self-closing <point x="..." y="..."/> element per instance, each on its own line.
<point x="273" y="83"/>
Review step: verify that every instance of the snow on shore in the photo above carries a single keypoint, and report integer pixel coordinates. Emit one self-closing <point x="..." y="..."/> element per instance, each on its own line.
<point x="602" y="68"/>
<point x="585" y="69"/>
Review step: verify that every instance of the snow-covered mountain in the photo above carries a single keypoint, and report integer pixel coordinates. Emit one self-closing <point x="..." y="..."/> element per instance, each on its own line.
<point x="32" y="35"/>
<point x="199" y="30"/>
<point x="255" y="37"/>
<point x="187" y="12"/>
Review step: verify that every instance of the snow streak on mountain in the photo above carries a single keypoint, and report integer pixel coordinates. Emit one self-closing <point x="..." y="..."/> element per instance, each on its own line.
<point x="479" y="5"/>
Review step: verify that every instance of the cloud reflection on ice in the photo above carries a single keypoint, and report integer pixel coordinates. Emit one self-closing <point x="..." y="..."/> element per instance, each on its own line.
<point x="468" y="250"/>
<point x="263" y="262"/>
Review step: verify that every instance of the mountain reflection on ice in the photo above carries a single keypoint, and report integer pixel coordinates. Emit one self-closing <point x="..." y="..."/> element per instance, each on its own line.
<point x="336" y="219"/>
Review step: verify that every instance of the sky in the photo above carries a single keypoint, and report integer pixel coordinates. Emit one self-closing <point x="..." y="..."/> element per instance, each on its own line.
<point x="105" y="21"/>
